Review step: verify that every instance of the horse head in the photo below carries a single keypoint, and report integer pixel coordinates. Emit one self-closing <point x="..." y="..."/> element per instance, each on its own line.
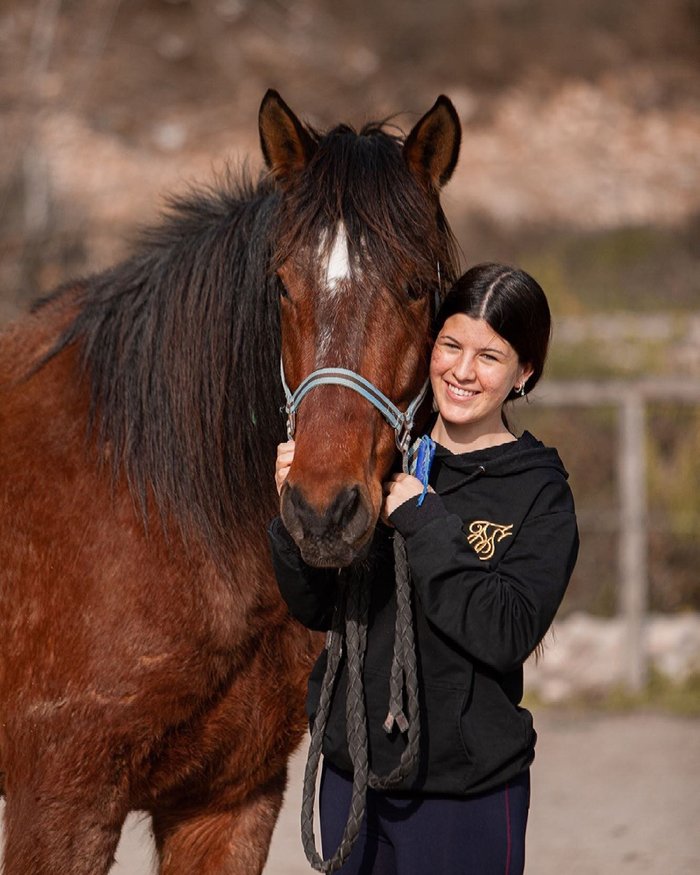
<point x="362" y="246"/>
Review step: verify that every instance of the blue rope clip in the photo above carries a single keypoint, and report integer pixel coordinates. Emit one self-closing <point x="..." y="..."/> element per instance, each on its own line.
<point x="422" y="454"/>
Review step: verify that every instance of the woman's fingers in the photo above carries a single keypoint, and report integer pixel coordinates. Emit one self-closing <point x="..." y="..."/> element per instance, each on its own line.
<point x="285" y="457"/>
<point x="397" y="489"/>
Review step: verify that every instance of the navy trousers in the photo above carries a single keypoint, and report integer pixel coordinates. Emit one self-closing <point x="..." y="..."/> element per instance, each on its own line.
<point x="435" y="835"/>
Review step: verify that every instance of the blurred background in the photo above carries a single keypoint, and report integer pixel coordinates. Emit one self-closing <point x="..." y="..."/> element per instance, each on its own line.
<point x="580" y="162"/>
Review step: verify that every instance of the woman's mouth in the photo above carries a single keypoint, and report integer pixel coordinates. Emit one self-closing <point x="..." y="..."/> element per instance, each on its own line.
<point x="459" y="391"/>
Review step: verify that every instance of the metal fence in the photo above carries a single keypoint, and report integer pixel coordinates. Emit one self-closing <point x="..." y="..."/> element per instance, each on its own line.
<point x="630" y="397"/>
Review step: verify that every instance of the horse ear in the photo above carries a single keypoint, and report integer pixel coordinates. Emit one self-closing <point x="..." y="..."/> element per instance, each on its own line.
<point x="432" y="148"/>
<point x="286" y="144"/>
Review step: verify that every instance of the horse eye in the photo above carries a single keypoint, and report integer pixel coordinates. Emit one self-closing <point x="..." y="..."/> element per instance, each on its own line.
<point x="413" y="290"/>
<point x="281" y="288"/>
<point x="409" y="290"/>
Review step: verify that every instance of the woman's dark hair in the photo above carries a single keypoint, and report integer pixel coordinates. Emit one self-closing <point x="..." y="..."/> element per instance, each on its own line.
<point x="512" y="303"/>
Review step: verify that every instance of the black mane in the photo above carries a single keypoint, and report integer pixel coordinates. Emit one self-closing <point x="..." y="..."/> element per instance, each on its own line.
<point x="180" y="344"/>
<point x="181" y="348"/>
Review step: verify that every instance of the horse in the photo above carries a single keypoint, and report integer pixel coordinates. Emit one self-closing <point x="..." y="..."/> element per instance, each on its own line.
<point x="147" y="661"/>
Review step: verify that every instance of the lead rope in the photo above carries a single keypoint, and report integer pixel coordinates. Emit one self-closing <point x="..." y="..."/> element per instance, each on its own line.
<point x="350" y="618"/>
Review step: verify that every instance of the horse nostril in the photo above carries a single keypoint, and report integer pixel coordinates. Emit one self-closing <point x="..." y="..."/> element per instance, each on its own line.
<point x="297" y="513"/>
<point x="351" y="514"/>
<point x="344" y="507"/>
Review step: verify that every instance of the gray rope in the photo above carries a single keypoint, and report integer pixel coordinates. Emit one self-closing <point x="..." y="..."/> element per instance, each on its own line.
<point x="350" y="624"/>
<point x="403" y="681"/>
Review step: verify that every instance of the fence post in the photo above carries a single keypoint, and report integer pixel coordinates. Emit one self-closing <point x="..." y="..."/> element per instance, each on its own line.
<point x="630" y="398"/>
<point x="633" y="540"/>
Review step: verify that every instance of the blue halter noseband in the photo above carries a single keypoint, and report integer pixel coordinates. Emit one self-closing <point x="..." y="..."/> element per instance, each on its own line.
<point x="400" y="421"/>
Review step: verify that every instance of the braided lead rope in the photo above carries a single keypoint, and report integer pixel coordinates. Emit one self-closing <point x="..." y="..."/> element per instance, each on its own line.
<point x="334" y="653"/>
<point x="354" y="603"/>
<point x="404" y="676"/>
<point x="397" y="679"/>
<point x="351" y="611"/>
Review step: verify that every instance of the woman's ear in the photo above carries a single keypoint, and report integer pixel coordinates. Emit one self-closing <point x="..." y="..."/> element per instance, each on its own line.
<point x="525" y="374"/>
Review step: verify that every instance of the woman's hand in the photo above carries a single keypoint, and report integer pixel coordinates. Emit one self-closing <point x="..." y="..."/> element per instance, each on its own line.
<point x="285" y="457"/>
<point x="397" y="489"/>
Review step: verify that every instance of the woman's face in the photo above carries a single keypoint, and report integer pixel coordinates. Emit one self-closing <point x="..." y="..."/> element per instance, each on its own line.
<point x="472" y="372"/>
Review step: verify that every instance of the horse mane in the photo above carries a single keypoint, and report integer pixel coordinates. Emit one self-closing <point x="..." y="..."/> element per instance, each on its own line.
<point x="180" y="343"/>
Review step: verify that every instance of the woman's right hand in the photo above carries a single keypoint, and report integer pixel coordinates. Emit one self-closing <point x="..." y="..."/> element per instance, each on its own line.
<point x="285" y="457"/>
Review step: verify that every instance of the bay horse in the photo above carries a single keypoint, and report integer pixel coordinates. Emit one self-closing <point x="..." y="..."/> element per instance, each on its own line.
<point x="146" y="659"/>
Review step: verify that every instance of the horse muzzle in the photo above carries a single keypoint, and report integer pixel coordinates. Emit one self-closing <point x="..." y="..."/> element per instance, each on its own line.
<point x="335" y="535"/>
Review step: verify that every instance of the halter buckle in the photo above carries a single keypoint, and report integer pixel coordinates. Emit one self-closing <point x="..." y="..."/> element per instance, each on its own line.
<point x="291" y="421"/>
<point x="403" y="436"/>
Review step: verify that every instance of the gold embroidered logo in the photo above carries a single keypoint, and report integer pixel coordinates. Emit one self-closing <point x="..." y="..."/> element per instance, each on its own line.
<point x="483" y="536"/>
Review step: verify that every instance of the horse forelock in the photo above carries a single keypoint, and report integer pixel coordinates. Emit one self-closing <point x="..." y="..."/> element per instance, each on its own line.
<point x="180" y="347"/>
<point x="359" y="184"/>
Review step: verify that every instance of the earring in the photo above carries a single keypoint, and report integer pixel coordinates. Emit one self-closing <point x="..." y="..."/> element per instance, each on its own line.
<point x="520" y="390"/>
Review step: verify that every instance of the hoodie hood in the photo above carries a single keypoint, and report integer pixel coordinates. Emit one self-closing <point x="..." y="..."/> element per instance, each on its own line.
<point x="451" y="470"/>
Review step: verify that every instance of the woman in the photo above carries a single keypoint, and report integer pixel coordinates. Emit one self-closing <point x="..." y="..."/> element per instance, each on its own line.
<point x="491" y="549"/>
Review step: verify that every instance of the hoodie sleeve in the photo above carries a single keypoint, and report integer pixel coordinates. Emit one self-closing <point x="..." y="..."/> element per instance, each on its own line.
<point x="310" y="593"/>
<point x="496" y="614"/>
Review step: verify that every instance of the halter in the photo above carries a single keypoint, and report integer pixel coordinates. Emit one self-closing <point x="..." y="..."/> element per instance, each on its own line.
<point x="401" y="422"/>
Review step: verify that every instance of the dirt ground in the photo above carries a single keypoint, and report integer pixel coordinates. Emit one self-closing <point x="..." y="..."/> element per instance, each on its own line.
<point x="611" y="795"/>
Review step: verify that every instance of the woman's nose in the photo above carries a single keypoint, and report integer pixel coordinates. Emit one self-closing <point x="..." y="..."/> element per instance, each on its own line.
<point x="463" y="369"/>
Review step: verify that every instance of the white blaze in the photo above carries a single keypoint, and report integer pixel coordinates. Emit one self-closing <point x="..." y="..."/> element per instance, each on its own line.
<point x="335" y="271"/>
<point x="338" y="265"/>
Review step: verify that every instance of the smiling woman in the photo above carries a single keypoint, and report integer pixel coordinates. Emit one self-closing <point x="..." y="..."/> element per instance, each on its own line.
<point x="492" y="337"/>
<point x="473" y="370"/>
<point x="490" y="548"/>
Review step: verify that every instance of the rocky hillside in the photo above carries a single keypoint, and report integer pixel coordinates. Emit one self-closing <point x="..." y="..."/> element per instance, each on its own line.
<point x="580" y="118"/>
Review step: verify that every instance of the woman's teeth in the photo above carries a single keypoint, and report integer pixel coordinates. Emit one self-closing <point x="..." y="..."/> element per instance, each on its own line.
<point x="465" y="393"/>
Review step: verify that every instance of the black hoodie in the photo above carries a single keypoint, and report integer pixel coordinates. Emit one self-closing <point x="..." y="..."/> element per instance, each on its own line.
<point x="491" y="554"/>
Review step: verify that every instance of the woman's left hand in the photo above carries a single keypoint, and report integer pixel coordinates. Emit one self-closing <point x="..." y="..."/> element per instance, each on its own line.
<point x="398" y="489"/>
